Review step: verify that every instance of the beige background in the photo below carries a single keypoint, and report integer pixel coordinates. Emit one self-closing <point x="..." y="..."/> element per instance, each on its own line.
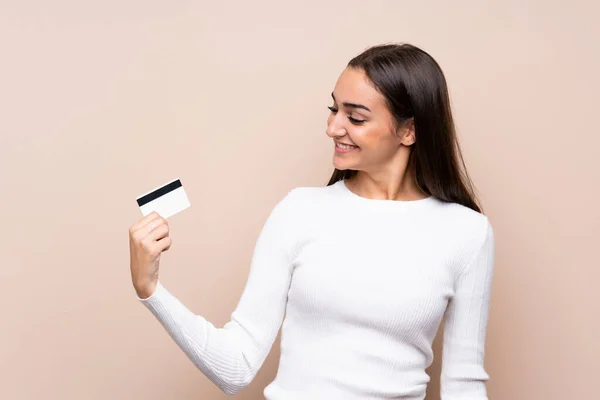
<point x="101" y="101"/>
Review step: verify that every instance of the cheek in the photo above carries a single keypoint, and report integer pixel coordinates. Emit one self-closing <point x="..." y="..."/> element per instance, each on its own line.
<point x="364" y="136"/>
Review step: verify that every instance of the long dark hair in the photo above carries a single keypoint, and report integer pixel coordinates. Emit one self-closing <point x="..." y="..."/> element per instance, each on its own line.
<point x="414" y="86"/>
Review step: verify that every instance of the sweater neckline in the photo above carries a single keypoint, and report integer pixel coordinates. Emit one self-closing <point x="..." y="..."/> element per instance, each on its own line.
<point x="382" y="202"/>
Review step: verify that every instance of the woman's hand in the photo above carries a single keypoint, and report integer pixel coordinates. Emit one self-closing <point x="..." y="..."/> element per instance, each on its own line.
<point x="148" y="238"/>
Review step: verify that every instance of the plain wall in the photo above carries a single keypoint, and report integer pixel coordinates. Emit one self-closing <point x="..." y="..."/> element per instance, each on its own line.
<point x="102" y="101"/>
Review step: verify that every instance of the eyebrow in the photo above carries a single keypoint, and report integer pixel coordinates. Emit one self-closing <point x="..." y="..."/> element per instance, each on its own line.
<point x="352" y="105"/>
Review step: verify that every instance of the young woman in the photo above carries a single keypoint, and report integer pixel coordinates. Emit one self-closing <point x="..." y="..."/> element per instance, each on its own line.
<point x="363" y="269"/>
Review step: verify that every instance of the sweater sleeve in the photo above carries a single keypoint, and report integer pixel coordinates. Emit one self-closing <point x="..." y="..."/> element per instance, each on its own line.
<point x="463" y="376"/>
<point x="232" y="355"/>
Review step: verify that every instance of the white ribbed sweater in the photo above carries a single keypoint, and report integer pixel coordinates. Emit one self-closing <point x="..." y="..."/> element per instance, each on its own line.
<point x="363" y="285"/>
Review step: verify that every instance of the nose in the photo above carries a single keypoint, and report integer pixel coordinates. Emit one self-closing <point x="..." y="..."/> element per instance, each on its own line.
<point x="334" y="127"/>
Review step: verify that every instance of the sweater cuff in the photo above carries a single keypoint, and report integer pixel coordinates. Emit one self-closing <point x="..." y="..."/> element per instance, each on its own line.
<point x="159" y="292"/>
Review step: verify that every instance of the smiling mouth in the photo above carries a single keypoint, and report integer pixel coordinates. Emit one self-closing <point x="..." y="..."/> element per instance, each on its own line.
<point x="345" y="147"/>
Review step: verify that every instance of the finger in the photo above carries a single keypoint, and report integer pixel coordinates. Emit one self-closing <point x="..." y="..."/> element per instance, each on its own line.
<point x="143" y="221"/>
<point x="164" y="244"/>
<point x="154" y="224"/>
<point x="158" y="233"/>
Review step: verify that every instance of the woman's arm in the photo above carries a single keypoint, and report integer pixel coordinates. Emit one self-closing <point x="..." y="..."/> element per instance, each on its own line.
<point x="463" y="375"/>
<point x="231" y="356"/>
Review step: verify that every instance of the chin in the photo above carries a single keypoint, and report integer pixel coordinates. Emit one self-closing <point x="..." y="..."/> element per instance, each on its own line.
<point x="342" y="166"/>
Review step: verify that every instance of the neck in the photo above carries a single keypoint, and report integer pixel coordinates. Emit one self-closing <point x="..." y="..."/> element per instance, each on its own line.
<point x="401" y="186"/>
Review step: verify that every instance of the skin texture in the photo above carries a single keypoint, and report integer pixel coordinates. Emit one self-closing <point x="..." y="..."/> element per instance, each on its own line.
<point x="383" y="150"/>
<point x="148" y="238"/>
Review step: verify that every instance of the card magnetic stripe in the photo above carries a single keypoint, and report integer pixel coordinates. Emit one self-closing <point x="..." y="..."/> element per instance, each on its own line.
<point x="159" y="192"/>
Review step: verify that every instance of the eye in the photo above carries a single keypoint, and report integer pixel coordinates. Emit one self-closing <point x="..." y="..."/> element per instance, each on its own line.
<point x="356" y="121"/>
<point x="353" y="120"/>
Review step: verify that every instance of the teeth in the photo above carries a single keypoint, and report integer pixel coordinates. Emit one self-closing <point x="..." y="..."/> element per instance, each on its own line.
<point x="344" y="147"/>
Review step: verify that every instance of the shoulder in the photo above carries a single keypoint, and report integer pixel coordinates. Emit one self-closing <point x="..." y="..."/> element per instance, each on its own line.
<point x="306" y="196"/>
<point x="313" y="191"/>
<point x="293" y="212"/>
<point x="302" y="204"/>
<point x="467" y="230"/>
<point x="465" y="220"/>
<point x="300" y="200"/>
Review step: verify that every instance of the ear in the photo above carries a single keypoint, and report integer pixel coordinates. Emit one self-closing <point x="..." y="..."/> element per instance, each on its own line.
<point x="406" y="133"/>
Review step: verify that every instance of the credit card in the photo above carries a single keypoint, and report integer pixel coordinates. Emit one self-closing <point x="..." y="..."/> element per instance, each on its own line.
<point x="166" y="200"/>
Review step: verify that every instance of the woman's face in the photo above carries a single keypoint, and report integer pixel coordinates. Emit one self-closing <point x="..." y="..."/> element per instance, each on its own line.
<point x="360" y="117"/>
